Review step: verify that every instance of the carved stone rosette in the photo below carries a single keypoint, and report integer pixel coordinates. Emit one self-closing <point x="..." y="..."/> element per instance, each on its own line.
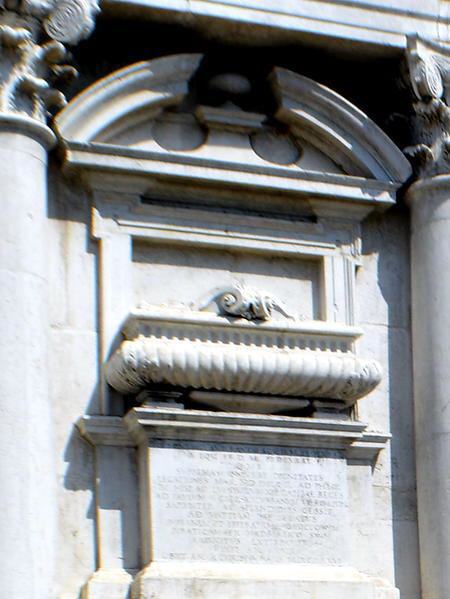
<point x="205" y="351"/>
<point x="33" y="35"/>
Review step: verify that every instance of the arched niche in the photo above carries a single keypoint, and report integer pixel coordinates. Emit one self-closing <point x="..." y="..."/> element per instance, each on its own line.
<point x="228" y="224"/>
<point x="282" y="169"/>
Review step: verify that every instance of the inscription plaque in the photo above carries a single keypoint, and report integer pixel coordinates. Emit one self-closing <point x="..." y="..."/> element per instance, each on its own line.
<point x="236" y="503"/>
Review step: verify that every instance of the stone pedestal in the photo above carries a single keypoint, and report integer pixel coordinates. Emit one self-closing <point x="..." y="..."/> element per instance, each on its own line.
<point x="27" y="471"/>
<point x="247" y="506"/>
<point x="430" y="266"/>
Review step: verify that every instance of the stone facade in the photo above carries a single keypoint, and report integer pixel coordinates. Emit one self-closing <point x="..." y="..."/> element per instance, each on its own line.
<point x="224" y="270"/>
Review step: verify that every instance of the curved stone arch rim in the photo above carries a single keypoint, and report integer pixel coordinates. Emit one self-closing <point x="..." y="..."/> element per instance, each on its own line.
<point x="319" y="114"/>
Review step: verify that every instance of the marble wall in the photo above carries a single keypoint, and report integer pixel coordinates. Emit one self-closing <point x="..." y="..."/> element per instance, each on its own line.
<point x="386" y="523"/>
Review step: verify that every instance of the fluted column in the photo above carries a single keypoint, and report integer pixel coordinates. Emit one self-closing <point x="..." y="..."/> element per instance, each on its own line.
<point x="429" y="200"/>
<point x="30" y="60"/>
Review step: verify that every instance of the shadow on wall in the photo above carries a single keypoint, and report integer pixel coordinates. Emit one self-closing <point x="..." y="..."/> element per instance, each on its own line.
<point x="115" y="469"/>
<point x="388" y="236"/>
<point x="72" y="256"/>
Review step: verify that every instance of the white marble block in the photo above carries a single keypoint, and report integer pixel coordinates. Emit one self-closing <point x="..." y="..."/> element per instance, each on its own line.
<point x="248" y="505"/>
<point x="235" y="503"/>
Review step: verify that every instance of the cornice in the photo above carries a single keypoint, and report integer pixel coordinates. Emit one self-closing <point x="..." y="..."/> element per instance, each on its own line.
<point x="141" y="425"/>
<point x="375" y="26"/>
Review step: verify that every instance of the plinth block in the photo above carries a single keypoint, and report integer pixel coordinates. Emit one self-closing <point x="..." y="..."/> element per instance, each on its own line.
<point x="225" y="581"/>
<point x="241" y="506"/>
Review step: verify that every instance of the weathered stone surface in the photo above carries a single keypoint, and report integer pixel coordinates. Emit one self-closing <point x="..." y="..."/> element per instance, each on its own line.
<point x="430" y="208"/>
<point x="267" y="515"/>
<point x="210" y="249"/>
<point x="286" y="358"/>
<point x="379" y="24"/>
<point x="232" y="503"/>
<point x="233" y="235"/>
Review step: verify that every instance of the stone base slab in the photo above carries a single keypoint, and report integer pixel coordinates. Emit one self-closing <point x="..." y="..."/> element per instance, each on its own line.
<point x="108" y="584"/>
<point x="244" y="581"/>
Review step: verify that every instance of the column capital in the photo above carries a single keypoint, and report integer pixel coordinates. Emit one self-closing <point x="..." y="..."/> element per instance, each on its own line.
<point x="429" y="79"/>
<point x="34" y="35"/>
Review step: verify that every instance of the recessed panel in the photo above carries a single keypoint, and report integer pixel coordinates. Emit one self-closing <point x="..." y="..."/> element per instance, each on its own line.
<point x="164" y="275"/>
<point x="235" y="503"/>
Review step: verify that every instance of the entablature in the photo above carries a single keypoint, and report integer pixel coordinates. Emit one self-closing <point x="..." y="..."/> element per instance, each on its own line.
<point x="381" y="25"/>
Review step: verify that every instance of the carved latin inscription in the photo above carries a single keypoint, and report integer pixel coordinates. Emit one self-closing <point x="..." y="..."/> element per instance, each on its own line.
<point x="237" y="504"/>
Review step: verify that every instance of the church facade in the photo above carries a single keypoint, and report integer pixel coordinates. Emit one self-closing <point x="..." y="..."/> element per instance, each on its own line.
<point x="224" y="275"/>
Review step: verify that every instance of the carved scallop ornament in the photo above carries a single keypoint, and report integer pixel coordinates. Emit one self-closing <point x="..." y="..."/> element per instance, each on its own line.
<point x="198" y="350"/>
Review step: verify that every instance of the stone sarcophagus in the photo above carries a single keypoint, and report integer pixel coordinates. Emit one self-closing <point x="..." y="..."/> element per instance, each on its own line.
<point x="203" y="353"/>
<point x="228" y="218"/>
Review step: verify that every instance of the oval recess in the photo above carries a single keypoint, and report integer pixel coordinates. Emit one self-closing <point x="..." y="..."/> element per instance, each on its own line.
<point x="232" y="83"/>
<point x="275" y="147"/>
<point x="178" y="132"/>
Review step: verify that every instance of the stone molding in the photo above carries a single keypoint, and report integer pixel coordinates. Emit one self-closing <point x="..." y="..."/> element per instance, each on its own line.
<point x="143" y="423"/>
<point x="379" y="25"/>
<point x="33" y="39"/>
<point x="23" y="124"/>
<point x="429" y="78"/>
<point x="143" y="90"/>
<point x="209" y="352"/>
<point x="340" y="128"/>
<point x="437" y="187"/>
<point x="338" y="582"/>
<point x="354" y="196"/>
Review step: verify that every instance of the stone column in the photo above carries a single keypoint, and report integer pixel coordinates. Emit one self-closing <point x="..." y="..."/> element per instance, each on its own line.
<point x="27" y="517"/>
<point x="429" y="199"/>
<point x="430" y="264"/>
<point x="27" y="472"/>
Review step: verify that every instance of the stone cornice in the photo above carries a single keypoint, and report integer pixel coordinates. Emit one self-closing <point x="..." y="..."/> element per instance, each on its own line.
<point x="143" y="424"/>
<point x="429" y="78"/>
<point x="33" y="39"/>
